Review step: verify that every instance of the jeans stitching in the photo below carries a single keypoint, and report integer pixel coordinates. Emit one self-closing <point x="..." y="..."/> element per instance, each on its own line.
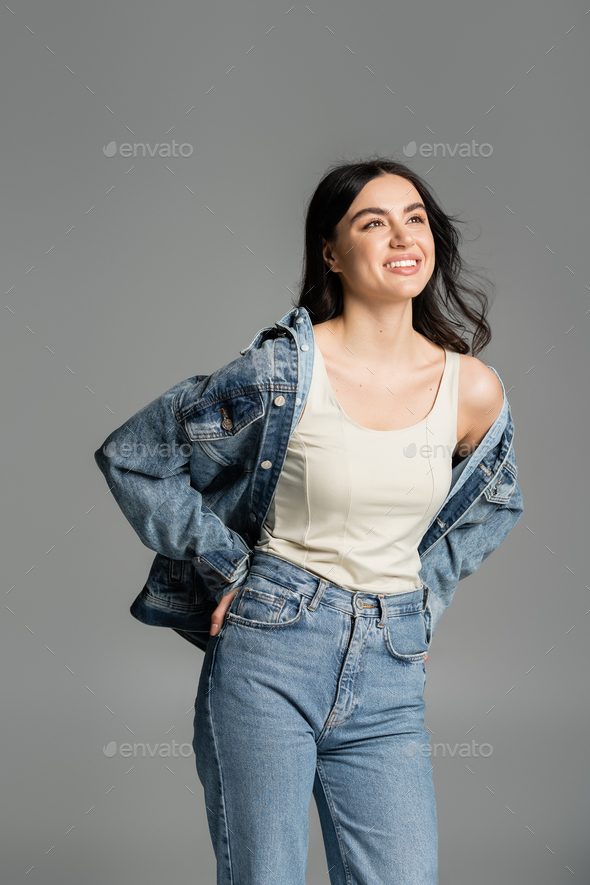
<point x="353" y="687"/>
<point x="332" y="809"/>
<point x="231" y="617"/>
<point x="218" y="762"/>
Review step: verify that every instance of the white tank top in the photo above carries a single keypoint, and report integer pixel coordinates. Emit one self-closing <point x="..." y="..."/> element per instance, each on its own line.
<point x="352" y="503"/>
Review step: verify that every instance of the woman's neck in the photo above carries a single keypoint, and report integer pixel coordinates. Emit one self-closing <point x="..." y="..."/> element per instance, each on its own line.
<point x="382" y="335"/>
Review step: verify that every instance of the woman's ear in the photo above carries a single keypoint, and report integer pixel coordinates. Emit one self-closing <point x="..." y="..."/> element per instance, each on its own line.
<point x="328" y="256"/>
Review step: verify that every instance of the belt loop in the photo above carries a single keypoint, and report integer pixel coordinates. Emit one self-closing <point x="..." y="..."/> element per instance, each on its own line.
<point x="426" y="588"/>
<point x="383" y="610"/>
<point x="317" y="595"/>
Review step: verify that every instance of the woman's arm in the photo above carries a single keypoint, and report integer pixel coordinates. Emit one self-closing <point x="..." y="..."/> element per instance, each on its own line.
<point x="480" y="402"/>
<point x="146" y="464"/>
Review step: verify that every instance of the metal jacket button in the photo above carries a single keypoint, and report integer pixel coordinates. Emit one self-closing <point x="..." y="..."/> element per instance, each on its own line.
<point x="305" y="347"/>
<point x="280" y="401"/>
<point x="299" y="320"/>
<point x="266" y="464"/>
<point x="227" y="422"/>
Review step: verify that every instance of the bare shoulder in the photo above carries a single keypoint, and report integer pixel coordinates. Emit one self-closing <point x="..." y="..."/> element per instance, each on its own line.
<point x="480" y="400"/>
<point x="478" y="384"/>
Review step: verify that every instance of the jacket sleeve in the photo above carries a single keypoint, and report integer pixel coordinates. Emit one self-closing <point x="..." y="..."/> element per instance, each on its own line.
<point x="146" y="465"/>
<point x="470" y="542"/>
<point x="462" y="550"/>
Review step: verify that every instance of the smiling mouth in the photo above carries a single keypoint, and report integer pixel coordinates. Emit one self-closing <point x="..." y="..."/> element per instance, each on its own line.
<point x="410" y="262"/>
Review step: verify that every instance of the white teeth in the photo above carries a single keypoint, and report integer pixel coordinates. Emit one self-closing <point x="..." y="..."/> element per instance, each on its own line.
<point x="411" y="263"/>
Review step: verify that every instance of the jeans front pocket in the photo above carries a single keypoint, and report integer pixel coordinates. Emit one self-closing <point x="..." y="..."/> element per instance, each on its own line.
<point x="266" y="604"/>
<point x="406" y="636"/>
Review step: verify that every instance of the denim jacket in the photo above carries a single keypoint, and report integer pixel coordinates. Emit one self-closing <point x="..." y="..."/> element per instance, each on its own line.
<point x="195" y="472"/>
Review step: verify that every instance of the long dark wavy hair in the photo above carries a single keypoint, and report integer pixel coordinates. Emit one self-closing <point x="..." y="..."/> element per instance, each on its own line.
<point x="449" y="311"/>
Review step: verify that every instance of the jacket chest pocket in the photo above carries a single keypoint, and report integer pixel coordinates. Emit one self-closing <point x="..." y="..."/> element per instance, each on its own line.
<point x="224" y="417"/>
<point x="499" y="491"/>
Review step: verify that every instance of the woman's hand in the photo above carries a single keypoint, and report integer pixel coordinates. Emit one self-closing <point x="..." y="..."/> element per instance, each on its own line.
<point x="218" y="615"/>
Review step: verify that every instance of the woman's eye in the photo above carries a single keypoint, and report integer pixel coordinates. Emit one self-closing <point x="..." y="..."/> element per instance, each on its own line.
<point x="378" y="221"/>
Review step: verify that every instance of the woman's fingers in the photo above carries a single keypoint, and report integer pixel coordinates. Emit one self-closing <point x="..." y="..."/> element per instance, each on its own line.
<point x="218" y="615"/>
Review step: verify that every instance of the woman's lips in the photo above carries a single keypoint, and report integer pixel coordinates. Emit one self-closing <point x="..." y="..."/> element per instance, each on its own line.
<point x="405" y="271"/>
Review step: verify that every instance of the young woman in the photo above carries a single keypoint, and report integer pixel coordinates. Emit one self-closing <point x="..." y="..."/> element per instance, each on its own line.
<point x="332" y="704"/>
<point x="335" y="500"/>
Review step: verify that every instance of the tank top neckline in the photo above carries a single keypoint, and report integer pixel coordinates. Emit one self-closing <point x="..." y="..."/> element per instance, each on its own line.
<point x="347" y="418"/>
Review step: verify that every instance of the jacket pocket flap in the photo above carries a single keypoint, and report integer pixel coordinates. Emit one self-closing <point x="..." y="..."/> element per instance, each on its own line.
<point x="501" y="487"/>
<point x="224" y="416"/>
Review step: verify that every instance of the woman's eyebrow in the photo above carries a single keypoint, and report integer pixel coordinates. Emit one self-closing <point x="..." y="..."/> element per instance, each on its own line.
<point x="376" y="210"/>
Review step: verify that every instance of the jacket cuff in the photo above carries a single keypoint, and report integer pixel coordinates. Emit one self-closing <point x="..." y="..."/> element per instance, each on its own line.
<point x="241" y="575"/>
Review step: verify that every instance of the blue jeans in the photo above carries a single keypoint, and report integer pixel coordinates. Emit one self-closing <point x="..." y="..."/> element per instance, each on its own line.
<point x="307" y="689"/>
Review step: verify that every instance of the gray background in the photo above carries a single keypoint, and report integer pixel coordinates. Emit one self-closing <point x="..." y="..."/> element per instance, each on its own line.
<point x="126" y="275"/>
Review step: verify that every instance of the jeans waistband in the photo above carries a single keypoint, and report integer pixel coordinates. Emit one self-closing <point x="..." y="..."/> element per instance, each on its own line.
<point x="316" y="589"/>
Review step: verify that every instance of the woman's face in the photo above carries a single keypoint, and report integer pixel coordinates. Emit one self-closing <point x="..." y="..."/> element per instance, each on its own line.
<point x="383" y="224"/>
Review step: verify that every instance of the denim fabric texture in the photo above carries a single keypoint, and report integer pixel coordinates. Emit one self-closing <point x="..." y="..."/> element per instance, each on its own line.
<point x="195" y="471"/>
<point x="310" y="690"/>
